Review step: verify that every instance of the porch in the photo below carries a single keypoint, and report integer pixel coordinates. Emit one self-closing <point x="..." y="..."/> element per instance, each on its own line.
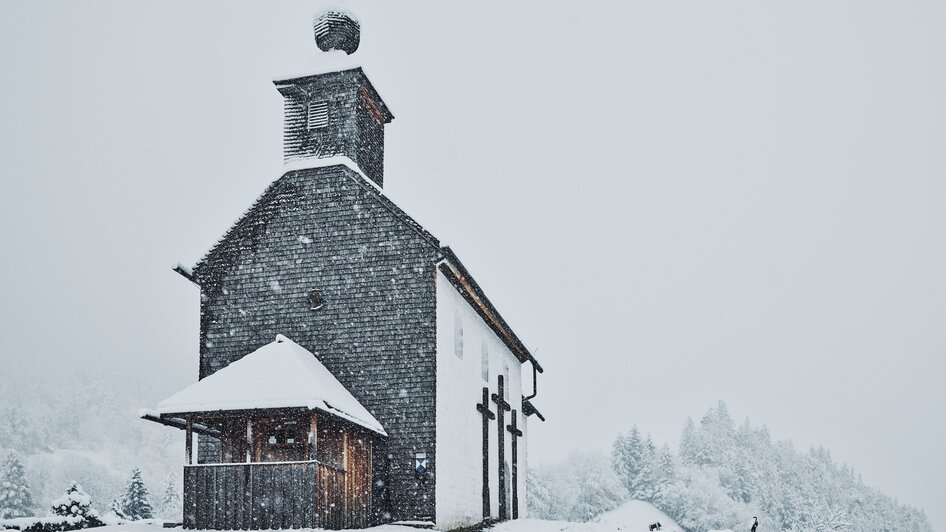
<point x="273" y="495"/>
<point x="277" y="469"/>
<point x="282" y="444"/>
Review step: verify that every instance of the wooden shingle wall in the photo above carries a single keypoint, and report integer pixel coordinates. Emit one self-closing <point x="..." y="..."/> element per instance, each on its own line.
<point x="355" y="123"/>
<point x="325" y="229"/>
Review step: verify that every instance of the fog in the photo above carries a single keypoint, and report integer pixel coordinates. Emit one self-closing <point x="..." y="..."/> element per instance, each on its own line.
<point x="672" y="203"/>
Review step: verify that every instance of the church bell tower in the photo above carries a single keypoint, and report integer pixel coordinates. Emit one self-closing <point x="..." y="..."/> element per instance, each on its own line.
<point x="335" y="111"/>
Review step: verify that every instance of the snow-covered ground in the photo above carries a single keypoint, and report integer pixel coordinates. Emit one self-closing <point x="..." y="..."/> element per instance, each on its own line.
<point x="633" y="516"/>
<point x="156" y="527"/>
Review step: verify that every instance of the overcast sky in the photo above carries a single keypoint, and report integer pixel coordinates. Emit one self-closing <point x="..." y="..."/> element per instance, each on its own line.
<point x="672" y="202"/>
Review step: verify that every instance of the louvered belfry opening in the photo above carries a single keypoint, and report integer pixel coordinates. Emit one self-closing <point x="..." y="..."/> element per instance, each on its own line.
<point x="317" y="115"/>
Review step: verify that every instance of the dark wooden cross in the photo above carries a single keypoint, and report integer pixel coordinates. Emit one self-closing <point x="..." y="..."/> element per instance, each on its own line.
<point x="513" y="429"/>
<point x="483" y="409"/>
<point x="501" y="407"/>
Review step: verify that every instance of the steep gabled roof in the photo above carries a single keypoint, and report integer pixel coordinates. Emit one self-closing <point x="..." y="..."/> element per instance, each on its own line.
<point x="281" y="374"/>
<point x="263" y="208"/>
<point x="253" y="217"/>
<point x="266" y="206"/>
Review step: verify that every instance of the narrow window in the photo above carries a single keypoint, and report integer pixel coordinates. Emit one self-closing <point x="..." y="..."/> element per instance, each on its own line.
<point x="458" y="336"/>
<point x="508" y="382"/>
<point x="484" y="361"/>
<point x="318" y="115"/>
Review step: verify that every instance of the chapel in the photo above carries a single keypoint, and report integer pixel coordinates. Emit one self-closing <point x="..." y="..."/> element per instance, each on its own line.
<point x="351" y="370"/>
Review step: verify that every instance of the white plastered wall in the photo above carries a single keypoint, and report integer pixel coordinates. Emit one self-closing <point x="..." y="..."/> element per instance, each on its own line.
<point x="459" y="454"/>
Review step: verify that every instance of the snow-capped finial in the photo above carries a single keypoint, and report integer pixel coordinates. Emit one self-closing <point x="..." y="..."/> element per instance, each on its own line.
<point x="337" y="30"/>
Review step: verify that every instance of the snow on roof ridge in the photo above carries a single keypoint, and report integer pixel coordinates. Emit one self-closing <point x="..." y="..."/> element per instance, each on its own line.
<point x="344" y="160"/>
<point x="233" y="227"/>
<point x="328" y="63"/>
<point x="323" y="63"/>
<point x="288" y="166"/>
<point x="308" y="163"/>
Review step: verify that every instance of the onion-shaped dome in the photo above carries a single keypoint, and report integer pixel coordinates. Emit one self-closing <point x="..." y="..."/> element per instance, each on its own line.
<point x="335" y="30"/>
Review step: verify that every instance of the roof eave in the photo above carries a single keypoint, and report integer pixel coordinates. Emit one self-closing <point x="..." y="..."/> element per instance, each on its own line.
<point x="290" y="85"/>
<point x="178" y="418"/>
<point x="514" y="342"/>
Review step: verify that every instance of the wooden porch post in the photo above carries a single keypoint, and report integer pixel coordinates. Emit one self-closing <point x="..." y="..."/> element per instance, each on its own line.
<point x="189" y="443"/>
<point x="249" y="439"/>
<point x="312" y="442"/>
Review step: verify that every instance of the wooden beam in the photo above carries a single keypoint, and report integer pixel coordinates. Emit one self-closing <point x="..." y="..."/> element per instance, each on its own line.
<point x="249" y="439"/>
<point x="313" y="449"/>
<point x="287" y="411"/>
<point x="180" y="423"/>
<point x="189" y="443"/>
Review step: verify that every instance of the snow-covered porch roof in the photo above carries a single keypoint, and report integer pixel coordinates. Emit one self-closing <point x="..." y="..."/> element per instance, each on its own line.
<point x="279" y="375"/>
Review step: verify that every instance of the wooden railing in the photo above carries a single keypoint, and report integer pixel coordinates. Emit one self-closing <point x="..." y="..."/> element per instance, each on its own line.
<point x="272" y="495"/>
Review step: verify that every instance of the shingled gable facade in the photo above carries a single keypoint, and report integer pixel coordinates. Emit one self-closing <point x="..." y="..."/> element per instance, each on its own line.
<point x="324" y="261"/>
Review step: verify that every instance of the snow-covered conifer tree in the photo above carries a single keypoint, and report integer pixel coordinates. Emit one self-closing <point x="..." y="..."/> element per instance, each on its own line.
<point x="627" y="456"/>
<point x="135" y="503"/>
<point x="644" y="484"/>
<point x="596" y="489"/>
<point x="618" y="461"/>
<point x="76" y="503"/>
<point x="15" y="497"/>
<point x="688" y="443"/>
<point x="579" y="488"/>
<point x="115" y="507"/>
<point x="539" y="488"/>
<point x="664" y="475"/>
<point x="716" y="437"/>
<point x="171" y="500"/>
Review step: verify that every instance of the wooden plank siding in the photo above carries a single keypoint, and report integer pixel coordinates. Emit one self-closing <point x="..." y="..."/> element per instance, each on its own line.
<point x="280" y="495"/>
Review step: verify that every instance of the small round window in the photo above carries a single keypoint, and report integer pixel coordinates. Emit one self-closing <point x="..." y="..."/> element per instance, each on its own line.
<point x="316" y="299"/>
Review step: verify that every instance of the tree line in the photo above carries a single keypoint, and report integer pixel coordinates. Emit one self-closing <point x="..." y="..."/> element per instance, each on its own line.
<point x="720" y="477"/>
<point x="16" y="499"/>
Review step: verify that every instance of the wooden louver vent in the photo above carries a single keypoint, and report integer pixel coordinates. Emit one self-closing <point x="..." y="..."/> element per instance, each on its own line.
<point x="318" y="115"/>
